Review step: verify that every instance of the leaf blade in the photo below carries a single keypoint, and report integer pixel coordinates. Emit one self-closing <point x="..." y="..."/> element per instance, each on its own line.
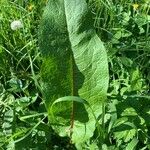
<point x="75" y="63"/>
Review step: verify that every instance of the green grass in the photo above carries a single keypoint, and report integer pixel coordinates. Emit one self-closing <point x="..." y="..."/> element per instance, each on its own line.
<point x="126" y="35"/>
<point x="23" y="123"/>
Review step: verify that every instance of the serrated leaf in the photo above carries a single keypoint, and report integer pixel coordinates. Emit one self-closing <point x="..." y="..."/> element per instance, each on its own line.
<point x="2" y="138"/>
<point x="136" y="82"/>
<point x="129" y="112"/>
<point x="8" y="122"/>
<point x="74" y="64"/>
<point x="120" y="121"/>
<point x="125" y="131"/>
<point x="15" y="84"/>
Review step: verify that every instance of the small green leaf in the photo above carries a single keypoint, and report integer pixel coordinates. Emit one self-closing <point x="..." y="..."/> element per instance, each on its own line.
<point x="125" y="131"/>
<point x="8" y="122"/>
<point x="15" y="84"/>
<point x="120" y="121"/>
<point x="132" y="145"/>
<point x="136" y="82"/>
<point x="126" y="61"/>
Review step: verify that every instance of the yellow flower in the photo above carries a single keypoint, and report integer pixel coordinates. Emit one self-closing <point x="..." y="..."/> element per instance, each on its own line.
<point x="135" y="6"/>
<point x="30" y="7"/>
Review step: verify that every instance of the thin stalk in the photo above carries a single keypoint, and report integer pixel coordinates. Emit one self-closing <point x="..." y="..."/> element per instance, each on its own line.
<point x="103" y="119"/>
<point x="73" y="94"/>
<point x="33" y="74"/>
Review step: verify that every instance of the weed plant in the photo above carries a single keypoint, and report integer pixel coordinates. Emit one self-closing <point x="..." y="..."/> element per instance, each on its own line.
<point x="123" y="26"/>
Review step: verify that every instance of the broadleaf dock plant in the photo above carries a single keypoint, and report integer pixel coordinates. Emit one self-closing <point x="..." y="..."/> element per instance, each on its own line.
<point x="74" y="64"/>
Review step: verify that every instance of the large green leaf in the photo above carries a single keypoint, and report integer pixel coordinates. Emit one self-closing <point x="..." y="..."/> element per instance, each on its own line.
<point x="74" y="64"/>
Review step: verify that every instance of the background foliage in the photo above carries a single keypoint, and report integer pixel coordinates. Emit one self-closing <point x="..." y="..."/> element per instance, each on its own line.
<point x="123" y="26"/>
